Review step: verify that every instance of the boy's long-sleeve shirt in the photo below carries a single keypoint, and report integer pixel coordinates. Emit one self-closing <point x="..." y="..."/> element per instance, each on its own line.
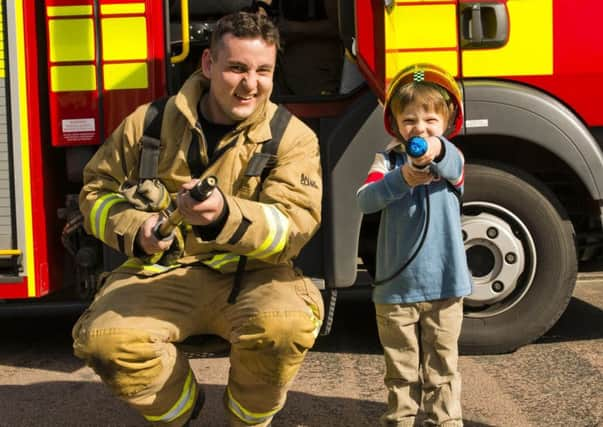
<point x="439" y="269"/>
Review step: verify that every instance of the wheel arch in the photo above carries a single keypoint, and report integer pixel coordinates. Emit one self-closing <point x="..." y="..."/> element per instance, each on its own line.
<point x="553" y="172"/>
<point x="538" y="184"/>
<point x="513" y="110"/>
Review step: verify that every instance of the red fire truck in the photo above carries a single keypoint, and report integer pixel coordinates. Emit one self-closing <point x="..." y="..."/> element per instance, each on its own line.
<point x="532" y="77"/>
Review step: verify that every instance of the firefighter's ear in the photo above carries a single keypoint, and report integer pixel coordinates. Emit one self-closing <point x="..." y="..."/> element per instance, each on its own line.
<point x="206" y="63"/>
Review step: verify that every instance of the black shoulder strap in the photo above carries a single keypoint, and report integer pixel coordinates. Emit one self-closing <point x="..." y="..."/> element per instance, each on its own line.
<point x="278" y="124"/>
<point x="261" y="163"/>
<point x="150" y="141"/>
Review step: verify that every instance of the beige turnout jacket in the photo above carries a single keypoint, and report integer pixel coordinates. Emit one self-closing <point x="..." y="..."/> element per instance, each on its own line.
<point x="269" y="223"/>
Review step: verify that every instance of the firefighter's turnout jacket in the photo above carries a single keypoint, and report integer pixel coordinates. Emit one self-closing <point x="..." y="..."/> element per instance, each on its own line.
<point x="127" y="334"/>
<point x="268" y="223"/>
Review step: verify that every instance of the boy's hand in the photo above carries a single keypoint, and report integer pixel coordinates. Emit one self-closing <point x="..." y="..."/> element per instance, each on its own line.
<point x="434" y="146"/>
<point x="414" y="177"/>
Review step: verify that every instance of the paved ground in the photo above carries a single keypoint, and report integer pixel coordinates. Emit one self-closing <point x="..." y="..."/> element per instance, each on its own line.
<point x="557" y="381"/>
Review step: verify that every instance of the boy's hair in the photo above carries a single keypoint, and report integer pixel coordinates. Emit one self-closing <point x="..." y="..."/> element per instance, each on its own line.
<point x="245" y="25"/>
<point x="429" y="96"/>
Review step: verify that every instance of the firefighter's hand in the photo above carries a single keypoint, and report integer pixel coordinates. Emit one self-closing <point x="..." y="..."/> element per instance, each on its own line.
<point x="199" y="213"/>
<point x="146" y="239"/>
<point x="434" y="147"/>
<point x="414" y="177"/>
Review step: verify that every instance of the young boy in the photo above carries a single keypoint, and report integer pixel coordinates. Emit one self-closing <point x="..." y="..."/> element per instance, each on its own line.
<point x="421" y="270"/>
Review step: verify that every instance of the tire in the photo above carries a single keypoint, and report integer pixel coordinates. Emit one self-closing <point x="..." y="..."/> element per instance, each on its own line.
<point x="522" y="255"/>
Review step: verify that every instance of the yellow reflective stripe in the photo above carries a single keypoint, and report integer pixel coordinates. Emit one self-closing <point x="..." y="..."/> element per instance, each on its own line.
<point x="25" y="188"/>
<point x="529" y="49"/>
<point x="70" y="78"/>
<point x="100" y="212"/>
<point x="407" y="42"/>
<point x="139" y="264"/>
<point x="396" y="61"/>
<point x="124" y="39"/>
<point x="122" y="9"/>
<point x="405" y="26"/>
<point x="220" y="260"/>
<point x="246" y="416"/>
<point x="277" y="235"/>
<point x="313" y="313"/>
<point x="53" y="11"/>
<point x="183" y="404"/>
<point x="64" y="47"/>
<point x="278" y="228"/>
<point x="129" y="75"/>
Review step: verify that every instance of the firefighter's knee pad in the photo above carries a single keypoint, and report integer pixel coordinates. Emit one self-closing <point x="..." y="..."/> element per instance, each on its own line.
<point x="127" y="360"/>
<point x="273" y="345"/>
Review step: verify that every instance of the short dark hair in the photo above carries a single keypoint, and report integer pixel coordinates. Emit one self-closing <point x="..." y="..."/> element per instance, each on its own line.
<point x="245" y="25"/>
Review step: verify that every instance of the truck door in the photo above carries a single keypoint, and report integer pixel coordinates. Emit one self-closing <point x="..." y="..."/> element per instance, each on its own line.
<point x="401" y="33"/>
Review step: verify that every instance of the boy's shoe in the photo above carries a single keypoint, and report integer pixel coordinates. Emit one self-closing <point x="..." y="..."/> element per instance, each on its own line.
<point x="197" y="408"/>
<point x="404" y="422"/>
<point x="449" y="423"/>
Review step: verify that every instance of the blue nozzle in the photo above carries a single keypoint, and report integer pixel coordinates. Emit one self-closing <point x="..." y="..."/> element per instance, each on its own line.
<point x="416" y="146"/>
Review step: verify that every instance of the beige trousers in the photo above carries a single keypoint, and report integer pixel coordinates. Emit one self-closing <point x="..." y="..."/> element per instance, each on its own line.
<point x="127" y="336"/>
<point x="421" y="361"/>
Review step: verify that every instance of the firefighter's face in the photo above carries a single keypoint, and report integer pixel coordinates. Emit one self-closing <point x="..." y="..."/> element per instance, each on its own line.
<point x="240" y="71"/>
<point x="415" y="120"/>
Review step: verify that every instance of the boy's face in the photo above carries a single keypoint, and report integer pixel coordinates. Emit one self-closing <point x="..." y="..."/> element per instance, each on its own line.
<point x="240" y="72"/>
<point x="414" y="120"/>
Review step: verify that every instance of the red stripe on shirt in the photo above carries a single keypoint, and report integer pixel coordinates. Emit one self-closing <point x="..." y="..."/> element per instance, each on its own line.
<point x="461" y="179"/>
<point x="373" y="177"/>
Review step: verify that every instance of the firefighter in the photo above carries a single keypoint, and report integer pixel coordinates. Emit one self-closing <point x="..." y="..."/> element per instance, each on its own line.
<point x="228" y="269"/>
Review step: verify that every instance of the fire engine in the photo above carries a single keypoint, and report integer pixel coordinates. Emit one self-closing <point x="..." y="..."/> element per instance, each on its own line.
<point x="532" y="78"/>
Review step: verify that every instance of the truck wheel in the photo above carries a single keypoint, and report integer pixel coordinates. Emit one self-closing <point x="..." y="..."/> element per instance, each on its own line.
<point x="521" y="252"/>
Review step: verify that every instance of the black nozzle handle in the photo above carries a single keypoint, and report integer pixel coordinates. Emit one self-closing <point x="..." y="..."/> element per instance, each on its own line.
<point x="164" y="228"/>
<point x="203" y="189"/>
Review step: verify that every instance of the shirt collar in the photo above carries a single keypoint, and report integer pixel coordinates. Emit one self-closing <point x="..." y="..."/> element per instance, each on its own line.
<point x="256" y="127"/>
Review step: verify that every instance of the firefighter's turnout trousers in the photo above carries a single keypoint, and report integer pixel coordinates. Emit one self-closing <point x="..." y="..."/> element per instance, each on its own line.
<point x="127" y="336"/>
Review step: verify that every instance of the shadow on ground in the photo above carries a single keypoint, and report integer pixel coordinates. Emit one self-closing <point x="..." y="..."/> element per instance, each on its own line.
<point x="580" y="321"/>
<point x="35" y="341"/>
<point x="90" y="404"/>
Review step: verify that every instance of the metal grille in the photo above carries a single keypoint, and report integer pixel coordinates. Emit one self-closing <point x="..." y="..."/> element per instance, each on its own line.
<point x="6" y="216"/>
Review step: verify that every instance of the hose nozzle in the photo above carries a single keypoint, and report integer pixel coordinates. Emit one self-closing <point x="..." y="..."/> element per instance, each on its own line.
<point x="200" y="192"/>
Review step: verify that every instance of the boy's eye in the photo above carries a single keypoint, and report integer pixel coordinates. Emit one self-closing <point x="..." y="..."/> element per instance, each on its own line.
<point x="237" y="68"/>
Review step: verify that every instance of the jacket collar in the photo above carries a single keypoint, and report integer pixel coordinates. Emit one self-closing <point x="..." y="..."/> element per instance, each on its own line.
<point x="256" y="127"/>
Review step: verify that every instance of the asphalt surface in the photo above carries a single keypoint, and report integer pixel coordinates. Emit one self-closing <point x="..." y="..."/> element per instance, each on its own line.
<point x="557" y="381"/>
